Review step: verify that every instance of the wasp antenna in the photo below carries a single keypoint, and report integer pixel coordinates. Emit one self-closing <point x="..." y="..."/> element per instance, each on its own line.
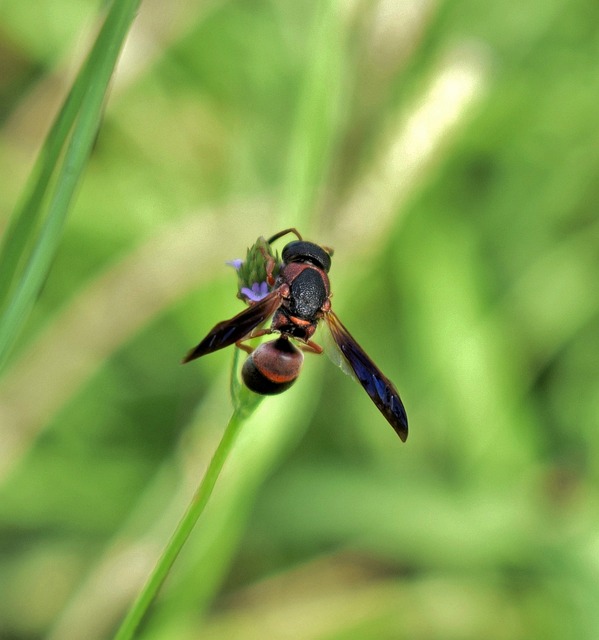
<point x="284" y="233"/>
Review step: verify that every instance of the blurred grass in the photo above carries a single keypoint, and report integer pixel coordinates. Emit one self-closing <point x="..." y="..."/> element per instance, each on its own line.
<point x="31" y="240"/>
<point x="450" y="156"/>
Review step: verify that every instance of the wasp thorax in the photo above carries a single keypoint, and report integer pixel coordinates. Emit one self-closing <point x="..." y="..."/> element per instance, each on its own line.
<point x="273" y="367"/>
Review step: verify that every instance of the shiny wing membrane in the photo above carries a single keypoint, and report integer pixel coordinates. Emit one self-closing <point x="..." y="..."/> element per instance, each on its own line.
<point x="230" y="331"/>
<point x="377" y="386"/>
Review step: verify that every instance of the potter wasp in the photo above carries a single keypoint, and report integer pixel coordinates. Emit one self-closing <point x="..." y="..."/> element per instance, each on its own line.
<point x="296" y="294"/>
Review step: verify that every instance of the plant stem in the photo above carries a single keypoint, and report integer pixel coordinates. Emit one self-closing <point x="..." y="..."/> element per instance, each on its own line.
<point x="245" y="406"/>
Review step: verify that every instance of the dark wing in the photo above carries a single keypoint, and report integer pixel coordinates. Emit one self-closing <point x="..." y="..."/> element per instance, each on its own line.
<point x="377" y="386"/>
<point x="230" y="331"/>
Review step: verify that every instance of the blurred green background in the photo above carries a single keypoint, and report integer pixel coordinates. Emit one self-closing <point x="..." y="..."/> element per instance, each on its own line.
<point x="449" y="152"/>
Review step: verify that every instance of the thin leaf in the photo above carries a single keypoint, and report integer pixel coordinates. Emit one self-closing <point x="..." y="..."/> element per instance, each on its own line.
<point x="27" y="253"/>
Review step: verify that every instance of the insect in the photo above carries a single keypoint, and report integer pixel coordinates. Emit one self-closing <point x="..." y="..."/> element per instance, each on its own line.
<point x="297" y="298"/>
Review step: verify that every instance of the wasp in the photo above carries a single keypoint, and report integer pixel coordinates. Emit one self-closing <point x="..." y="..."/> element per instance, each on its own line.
<point x="297" y="296"/>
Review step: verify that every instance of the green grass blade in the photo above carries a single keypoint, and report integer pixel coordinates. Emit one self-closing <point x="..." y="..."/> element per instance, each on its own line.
<point x="27" y="254"/>
<point x="24" y="222"/>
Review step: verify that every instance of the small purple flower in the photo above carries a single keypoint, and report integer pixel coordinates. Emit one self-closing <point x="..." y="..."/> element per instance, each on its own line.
<point x="236" y="264"/>
<point x="257" y="292"/>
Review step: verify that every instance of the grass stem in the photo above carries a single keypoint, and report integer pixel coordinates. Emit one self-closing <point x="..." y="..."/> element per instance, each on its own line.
<point x="245" y="405"/>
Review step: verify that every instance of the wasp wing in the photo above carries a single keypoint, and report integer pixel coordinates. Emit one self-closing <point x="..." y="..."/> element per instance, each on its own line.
<point x="380" y="389"/>
<point x="230" y="331"/>
<point x="324" y="337"/>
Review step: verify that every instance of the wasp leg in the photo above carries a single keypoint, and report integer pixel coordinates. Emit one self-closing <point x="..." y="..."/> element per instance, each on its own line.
<point x="254" y="334"/>
<point x="311" y="347"/>
<point x="270" y="267"/>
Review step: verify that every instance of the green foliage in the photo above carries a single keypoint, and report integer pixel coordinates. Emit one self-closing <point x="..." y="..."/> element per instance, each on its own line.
<point x="448" y="153"/>
<point x="31" y="240"/>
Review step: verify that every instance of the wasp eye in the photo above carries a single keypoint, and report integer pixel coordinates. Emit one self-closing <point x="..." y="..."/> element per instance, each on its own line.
<point x="302" y="251"/>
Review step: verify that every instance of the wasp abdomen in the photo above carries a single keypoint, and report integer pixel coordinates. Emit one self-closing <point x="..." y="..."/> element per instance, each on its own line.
<point x="273" y="367"/>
